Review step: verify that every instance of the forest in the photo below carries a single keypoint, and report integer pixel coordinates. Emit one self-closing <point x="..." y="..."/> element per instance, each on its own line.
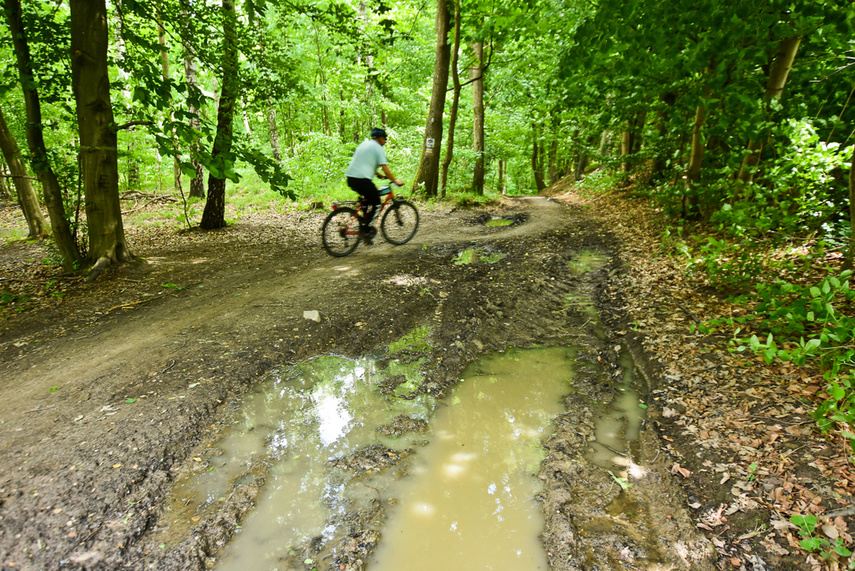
<point x="738" y="115"/>
<point x="732" y="119"/>
<point x="733" y="113"/>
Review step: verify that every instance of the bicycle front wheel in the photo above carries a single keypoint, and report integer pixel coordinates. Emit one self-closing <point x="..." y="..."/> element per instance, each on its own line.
<point x="400" y="222"/>
<point x="340" y="232"/>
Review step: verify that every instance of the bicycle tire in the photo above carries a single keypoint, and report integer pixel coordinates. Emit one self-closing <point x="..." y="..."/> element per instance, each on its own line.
<point x="340" y="232"/>
<point x="400" y="222"/>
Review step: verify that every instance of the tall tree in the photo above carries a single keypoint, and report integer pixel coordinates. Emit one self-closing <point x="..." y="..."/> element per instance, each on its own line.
<point x="197" y="183"/>
<point x="477" y="78"/>
<point x="26" y="194"/>
<point x="455" y="101"/>
<point x="428" y="173"/>
<point x="214" y="215"/>
<point x="90" y="81"/>
<point x="60" y="228"/>
<point x="774" y="88"/>
<point x="850" y="254"/>
<point x="164" y="65"/>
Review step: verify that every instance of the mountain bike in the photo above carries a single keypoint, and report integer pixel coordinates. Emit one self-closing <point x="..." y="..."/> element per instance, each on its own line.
<point x="399" y="220"/>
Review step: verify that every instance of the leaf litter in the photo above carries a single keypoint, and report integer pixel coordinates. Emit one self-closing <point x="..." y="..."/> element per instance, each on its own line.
<point x="746" y="449"/>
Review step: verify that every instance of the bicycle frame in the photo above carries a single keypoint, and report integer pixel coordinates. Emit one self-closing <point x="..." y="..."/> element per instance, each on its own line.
<point x="360" y="204"/>
<point x="360" y="207"/>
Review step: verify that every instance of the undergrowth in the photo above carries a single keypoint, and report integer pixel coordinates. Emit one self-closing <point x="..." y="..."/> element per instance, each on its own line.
<point x="799" y="310"/>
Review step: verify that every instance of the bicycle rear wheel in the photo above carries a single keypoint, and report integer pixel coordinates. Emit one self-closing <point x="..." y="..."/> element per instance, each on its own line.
<point x="340" y="232"/>
<point x="400" y="222"/>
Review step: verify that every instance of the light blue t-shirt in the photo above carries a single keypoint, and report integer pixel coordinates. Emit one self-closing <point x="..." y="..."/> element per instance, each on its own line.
<point x="368" y="156"/>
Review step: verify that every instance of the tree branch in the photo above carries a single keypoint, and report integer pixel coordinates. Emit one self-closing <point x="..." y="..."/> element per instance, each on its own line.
<point x="131" y="124"/>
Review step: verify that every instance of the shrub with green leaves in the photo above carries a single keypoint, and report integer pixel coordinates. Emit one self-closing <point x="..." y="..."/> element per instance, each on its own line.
<point x="808" y="324"/>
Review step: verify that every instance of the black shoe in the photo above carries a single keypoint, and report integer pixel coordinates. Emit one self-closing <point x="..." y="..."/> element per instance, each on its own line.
<point x="368" y="234"/>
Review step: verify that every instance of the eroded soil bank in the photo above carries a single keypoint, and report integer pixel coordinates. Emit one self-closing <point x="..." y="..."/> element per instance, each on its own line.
<point x="109" y="392"/>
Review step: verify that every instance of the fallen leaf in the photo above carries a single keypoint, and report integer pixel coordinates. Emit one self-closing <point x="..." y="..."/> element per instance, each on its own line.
<point x="830" y="531"/>
<point x="677" y="469"/>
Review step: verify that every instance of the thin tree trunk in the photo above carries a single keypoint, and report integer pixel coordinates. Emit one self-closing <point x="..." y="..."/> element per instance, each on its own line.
<point x="478" y="118"/>
<point x="850" y="256"/>
<point x="536" y="160"/>
<point x="247" y="128"/>
<point x="554" y="170"/>
<point x="696" y="158"/>
<point x="4" y="176"/>
<point x="501" y="182"/>
<point x="214" y="215"/>
<point x="40" y="163"/>
<point x="164" y="66"/>
<point x="455" y="102"/>
<point x="428" y="173"/>
<point x="23" y="187"/>
<point x="323" y="76"/>
<point x="604" y="141"/>
<point x="625" y="149"/>
<point x="90" y="81"/>
<point x="273" y="131"/>
<point x="774" y="88"/>
<point x="197" y="183"/>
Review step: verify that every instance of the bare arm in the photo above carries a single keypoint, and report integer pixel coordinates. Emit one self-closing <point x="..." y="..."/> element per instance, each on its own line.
<point x="390" y="176"/>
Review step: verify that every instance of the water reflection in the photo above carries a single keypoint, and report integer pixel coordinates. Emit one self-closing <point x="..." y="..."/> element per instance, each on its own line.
<point x="618" y="427"/>
<point x="289" y="428"/>
<point x="469" y="503"/>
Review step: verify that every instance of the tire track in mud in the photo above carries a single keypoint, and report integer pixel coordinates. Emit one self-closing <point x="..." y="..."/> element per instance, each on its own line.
<point x="591" y="521"/>
<point x="254" y="323"/>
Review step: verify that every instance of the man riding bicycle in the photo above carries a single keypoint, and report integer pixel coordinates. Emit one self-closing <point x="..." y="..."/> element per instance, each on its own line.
<point x="369" y="155"/>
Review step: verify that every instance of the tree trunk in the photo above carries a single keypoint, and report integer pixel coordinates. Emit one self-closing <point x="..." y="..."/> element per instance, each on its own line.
<point x="214" y="215"/>
<point x="501" y="182"/>
<point x="4" y="176"/>
<point x="850" y="255"/>
<point x="35" y="140"/>
<point x="555" y="169"/>
<point x="455" y="102"/>
<point x="428" y="173"/>
<point x="197" y="183"/>
<point x="625" y="149"/>
<point x="24" y="188"/>
<point x="536" y="160"/>
<point x="90" y="82"/>
<point x="603" y="149"/>
<point x="164" y="66"/>
<point x="273" y="131"/>
<point x="774" y="88"/>
<point x="478" y="118"/>
<point x="695" y="161"/>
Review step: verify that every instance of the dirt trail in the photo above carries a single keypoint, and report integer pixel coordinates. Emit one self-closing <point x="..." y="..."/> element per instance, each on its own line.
<point x="105" y="394"/>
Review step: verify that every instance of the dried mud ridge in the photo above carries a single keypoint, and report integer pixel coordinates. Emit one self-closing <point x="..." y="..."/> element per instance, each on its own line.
<point x="109" y="394"/>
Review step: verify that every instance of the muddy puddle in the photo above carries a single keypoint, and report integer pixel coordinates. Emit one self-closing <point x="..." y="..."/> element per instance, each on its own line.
<point x="468" y="499"/>
<point x="536" y="459"/>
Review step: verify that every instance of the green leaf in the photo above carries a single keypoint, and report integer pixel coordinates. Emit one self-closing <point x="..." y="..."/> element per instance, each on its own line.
<point x="810" y="544"/>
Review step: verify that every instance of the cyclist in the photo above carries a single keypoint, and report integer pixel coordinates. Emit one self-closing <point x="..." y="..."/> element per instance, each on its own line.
<point x="369" y="155"/>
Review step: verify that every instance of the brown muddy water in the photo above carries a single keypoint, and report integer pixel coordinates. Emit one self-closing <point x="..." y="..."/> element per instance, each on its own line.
<point x="466" y="497"/>
<point x="469" y="499"/>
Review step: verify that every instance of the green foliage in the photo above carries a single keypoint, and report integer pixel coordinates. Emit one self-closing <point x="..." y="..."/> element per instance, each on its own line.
<point x="811" y="542"/>
<point x="799" y="193"/>
<point x="18" y="300"/>
<point x="807" y="324"/>
<point x="416" y="340"/>
<point x="726" y="263"/>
